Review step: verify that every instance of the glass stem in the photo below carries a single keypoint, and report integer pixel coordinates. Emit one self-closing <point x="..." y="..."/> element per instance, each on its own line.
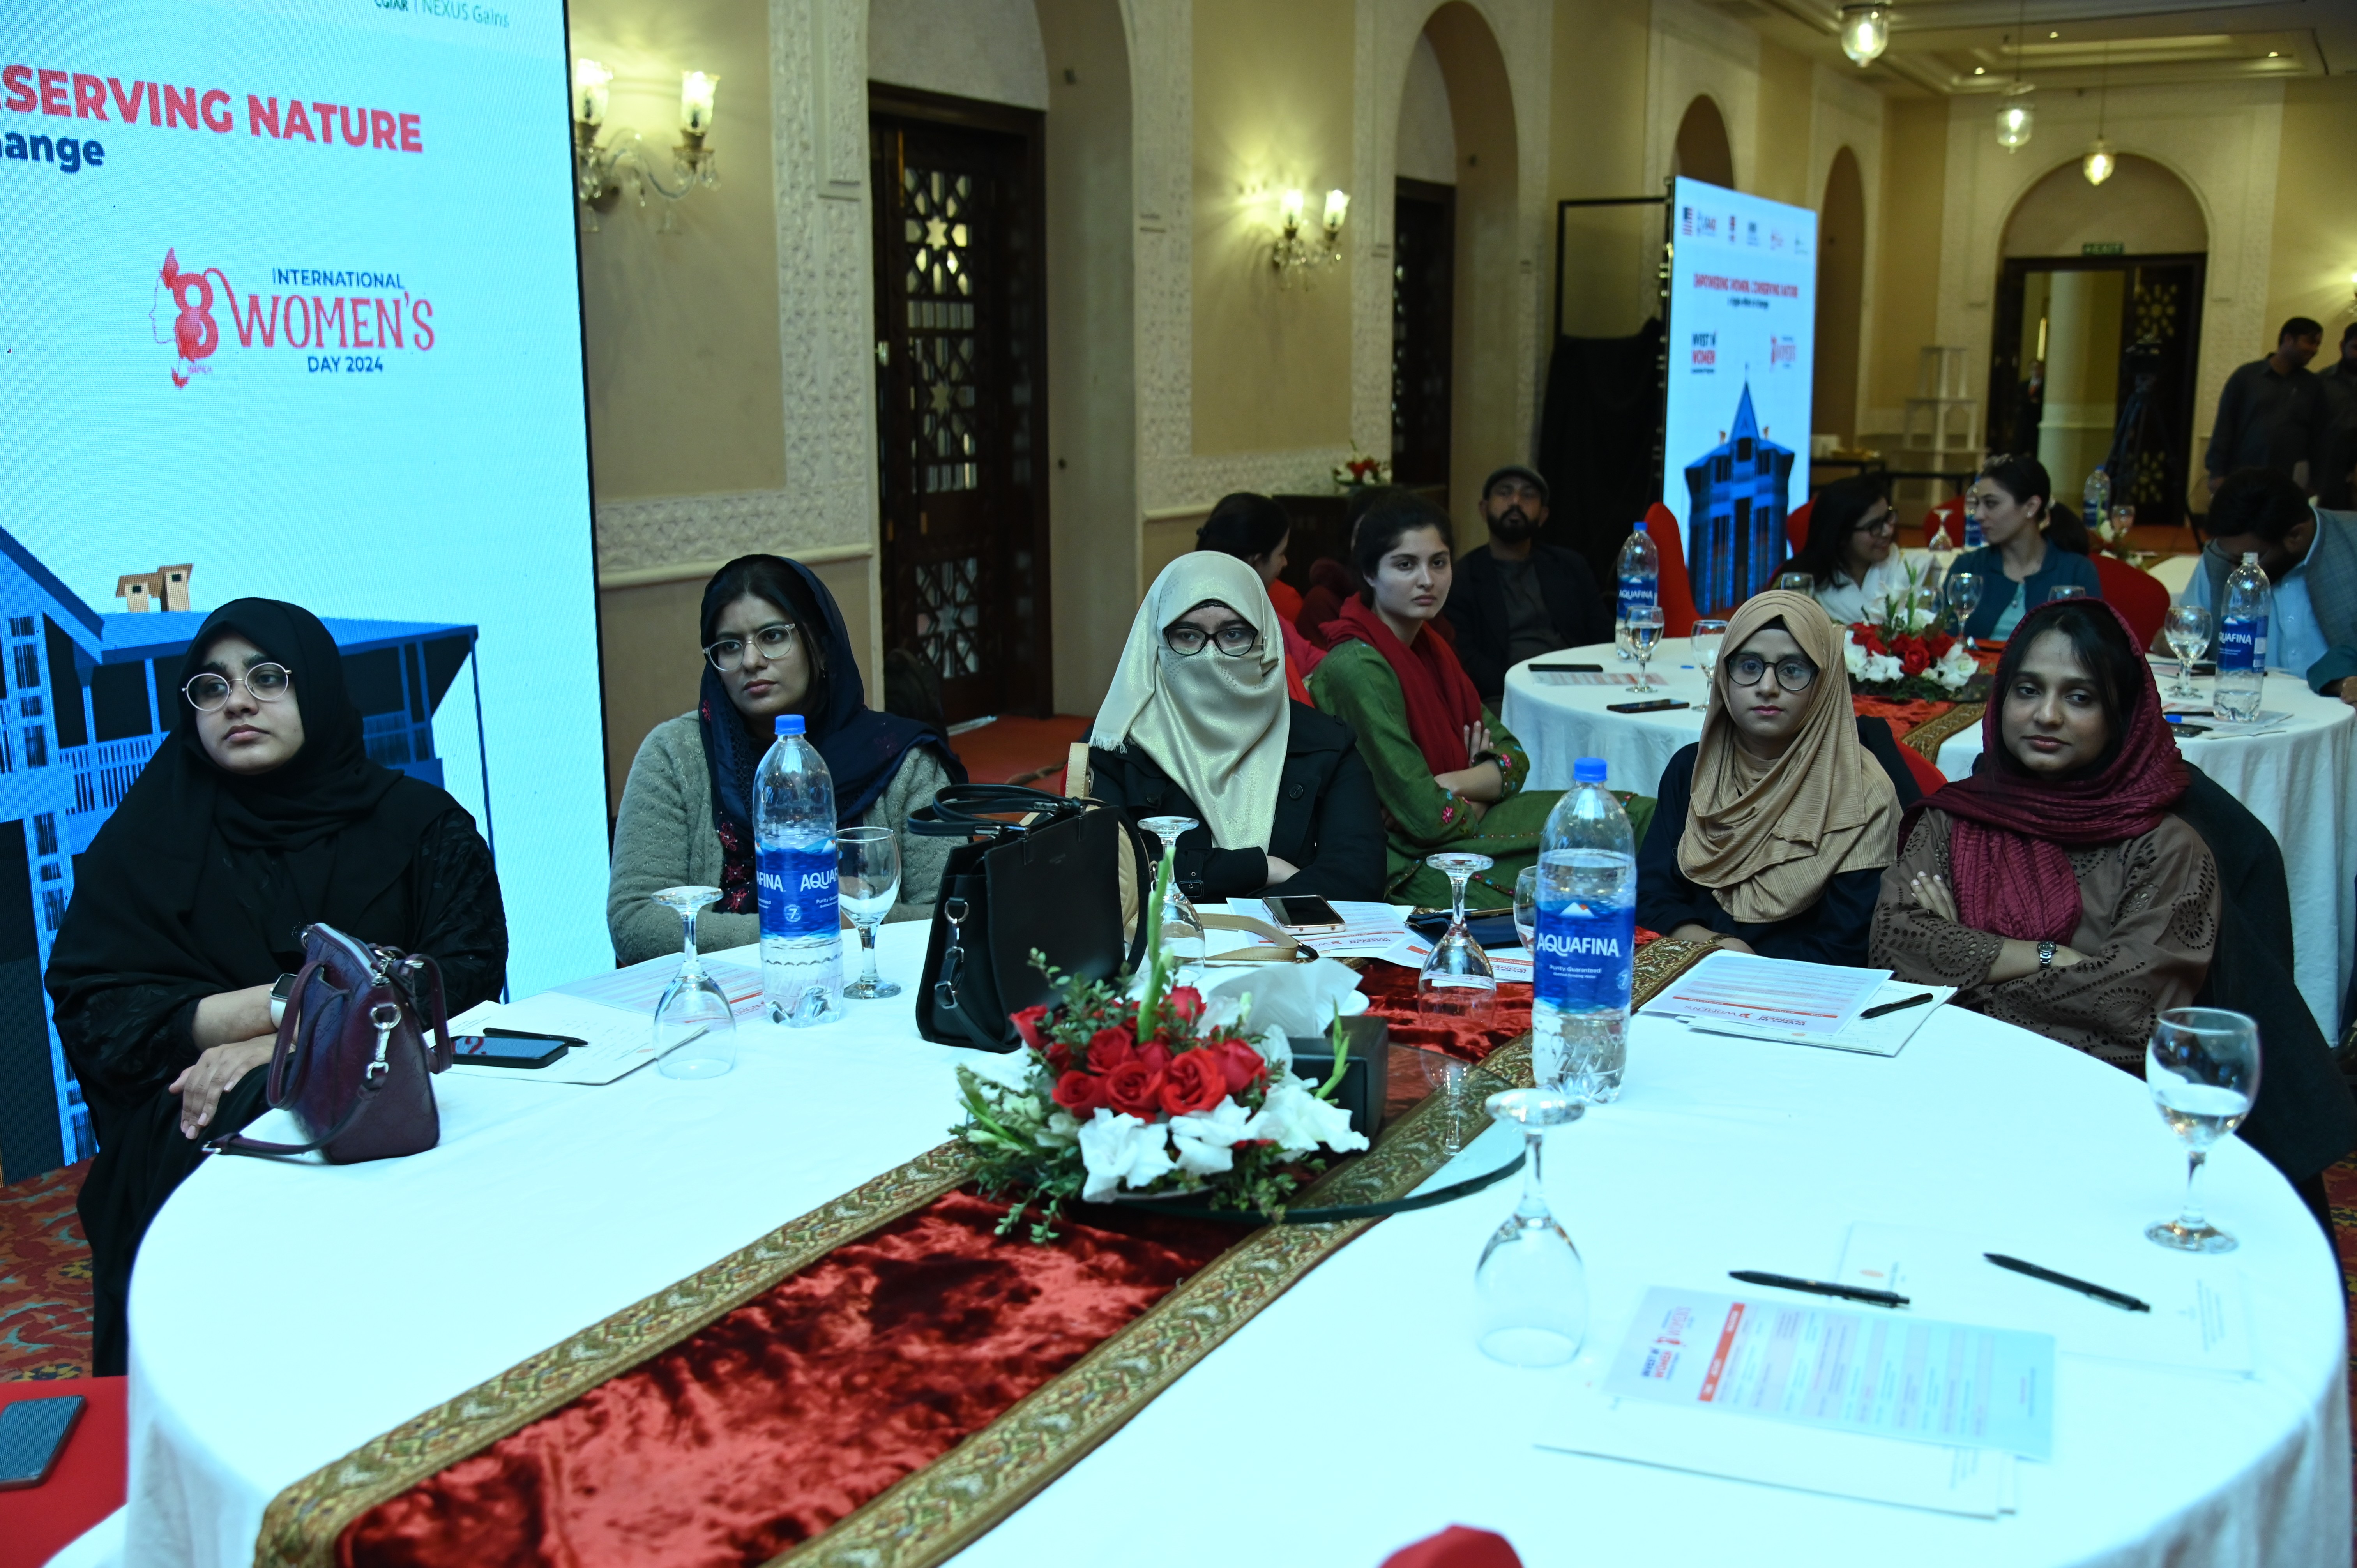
<point x="1533" y="1204"/>
<point x="868" y="953"/>
<point x="687" y="963"/>
<point x="1456" y="898"/>
<point x="2193" y="1218"/>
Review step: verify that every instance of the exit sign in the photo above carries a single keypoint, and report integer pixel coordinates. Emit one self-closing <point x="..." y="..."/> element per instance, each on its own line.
<point x="2103" y="248"/>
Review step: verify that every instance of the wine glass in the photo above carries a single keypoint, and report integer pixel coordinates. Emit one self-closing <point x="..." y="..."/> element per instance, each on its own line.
<point x="1526" y="907"/>
<point x="867" y="881"/>
<point x="1706" y="638"/>
<point x="1184" y="942"/>
<point x="2065" y="591"/>
<point x="1923" y="606"/>
<point x="2187" y="630"/>
<point x="2203" y="1067"/>
<point x="1531" y="1286"/>
<point x="1796" y="582"/>
<point x="695" y="1031"/>
<point x="1964" y="597"/>
<point x="1644" y="632"/>
<point x="1456" y="988"/>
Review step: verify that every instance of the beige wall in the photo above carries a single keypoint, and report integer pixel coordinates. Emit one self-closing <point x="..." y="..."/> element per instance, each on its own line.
<point x="1272" y="111"/>
<point x="1597" y="134"/>
<point x="1484" y="428"/>
<point x="1906" y="313"/>
<point x="1781" y="162"/>
<point x="2314" y="226"/>
<point x="2143" y="208"/>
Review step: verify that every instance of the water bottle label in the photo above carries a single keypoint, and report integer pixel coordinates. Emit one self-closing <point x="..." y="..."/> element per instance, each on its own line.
<point x="797" y="890"/>
<point x="1587" y="954"/>
<point x="2243" y="642"/>
<point x="1636" y="592"/>
<point x="1973" y="540"/>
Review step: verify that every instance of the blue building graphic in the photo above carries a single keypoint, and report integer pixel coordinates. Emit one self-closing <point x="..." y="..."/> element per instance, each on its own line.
<point x="1734" y="514"/>
<point x="85" y="699"/>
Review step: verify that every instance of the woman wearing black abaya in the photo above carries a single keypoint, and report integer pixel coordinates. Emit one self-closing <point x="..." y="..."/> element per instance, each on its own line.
<point x="259" y="814"/>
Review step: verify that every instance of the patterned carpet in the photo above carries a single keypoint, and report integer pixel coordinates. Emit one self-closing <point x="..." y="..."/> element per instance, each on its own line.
<point x="44" y="1279"/>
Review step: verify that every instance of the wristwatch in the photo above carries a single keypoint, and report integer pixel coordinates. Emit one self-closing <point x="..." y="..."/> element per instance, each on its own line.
<point x="2046" y="955"/>
<point x="281" y="993"/>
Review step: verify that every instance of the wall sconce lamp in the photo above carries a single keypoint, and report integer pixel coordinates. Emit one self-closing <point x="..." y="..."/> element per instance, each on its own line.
<point x="1295" y="256"/>
<point x="601" y="172"/>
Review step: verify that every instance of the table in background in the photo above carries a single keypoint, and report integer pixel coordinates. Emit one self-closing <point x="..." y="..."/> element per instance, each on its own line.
<point x="284" y="1315"/>
<point x="2300" y="781"/>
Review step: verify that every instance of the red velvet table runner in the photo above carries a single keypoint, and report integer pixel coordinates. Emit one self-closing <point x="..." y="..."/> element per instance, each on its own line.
<point x="764" y="1428"/>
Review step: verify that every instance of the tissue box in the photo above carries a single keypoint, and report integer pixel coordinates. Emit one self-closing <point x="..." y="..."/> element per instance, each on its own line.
<point x="1366" y="1077"/>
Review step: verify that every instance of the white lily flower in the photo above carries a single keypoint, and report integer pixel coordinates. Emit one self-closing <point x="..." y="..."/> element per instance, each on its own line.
<point x="1276" y="1048"/>
<point x="1120" y="1151"/>
<point x="1298" y="1120"/>
<point x="1853" y="656"/>
<point x="1205" y="1140"/>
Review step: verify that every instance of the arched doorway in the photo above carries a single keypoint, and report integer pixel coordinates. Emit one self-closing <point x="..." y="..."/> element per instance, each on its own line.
<point x="2093" y="359"/>
<point x="1840" y="290"/>
<point x="1702" y="150"/>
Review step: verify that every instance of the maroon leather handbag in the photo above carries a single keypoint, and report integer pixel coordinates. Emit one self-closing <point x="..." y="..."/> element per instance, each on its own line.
<point x="351" y="1062"/>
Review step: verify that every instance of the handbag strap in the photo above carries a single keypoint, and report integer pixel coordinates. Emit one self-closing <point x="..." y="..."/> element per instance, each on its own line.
<point x="284" y="1051"/>
<point x="965" y="810"/>
<point x="238" y="1144"/>
<point x="1281" y="946"/>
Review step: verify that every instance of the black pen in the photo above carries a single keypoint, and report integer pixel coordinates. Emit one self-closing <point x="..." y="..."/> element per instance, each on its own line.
<point x="1899" y="1006"/>
<point x="1819" y="1287"/>
<point x="2116" y="1298"/>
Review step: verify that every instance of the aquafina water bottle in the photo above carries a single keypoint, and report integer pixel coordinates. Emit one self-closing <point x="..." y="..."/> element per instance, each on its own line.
<point x="2243" y="641"/>
<point x="793" y="839"/>
<point x="1641" y="583"/>
<point x="1587" y="945"/>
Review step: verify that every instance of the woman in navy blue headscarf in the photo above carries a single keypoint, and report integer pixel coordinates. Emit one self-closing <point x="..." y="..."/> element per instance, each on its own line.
<point x="773" y="643"/>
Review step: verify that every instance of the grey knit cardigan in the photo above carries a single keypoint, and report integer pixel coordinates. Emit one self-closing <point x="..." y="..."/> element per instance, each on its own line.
<point x="664" y="838"/>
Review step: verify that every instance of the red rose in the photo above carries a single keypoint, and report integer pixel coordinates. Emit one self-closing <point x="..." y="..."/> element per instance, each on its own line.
<point x="1027" y="1023"/>
<point x="1081" y="1093"/>
<point x="1186" y="1003"/>
<point x="1060" y="1057"/>
<point x="1110" y="1048"/>
<point x="1938" y="643"/>
<point x="1874" y="644"/>
<point x="1914" y="662"/>
<point x="1155" y="1054"/>
<point x="1196" y="1082"/>
<point x="1240" y="1064"/>
<point x="1134" y="1089"/>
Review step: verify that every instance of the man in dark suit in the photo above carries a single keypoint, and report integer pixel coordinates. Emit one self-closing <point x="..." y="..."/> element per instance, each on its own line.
<point x="1514" y="598"/>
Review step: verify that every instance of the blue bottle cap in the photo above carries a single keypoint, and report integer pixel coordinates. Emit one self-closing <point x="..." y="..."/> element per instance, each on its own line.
<point x="1588" y="770"/>
<point x="1639" y="525"/>
<point x="790" y="724"/>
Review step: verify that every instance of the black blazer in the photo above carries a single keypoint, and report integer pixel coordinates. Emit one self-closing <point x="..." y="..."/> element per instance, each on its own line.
<point x="1477" y="607"/>
<point x="1832" y="930"/>
<point x="1327" y="822"/>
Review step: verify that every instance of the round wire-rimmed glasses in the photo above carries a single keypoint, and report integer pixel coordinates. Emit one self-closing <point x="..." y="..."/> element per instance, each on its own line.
<point x="867" y="881"/>
<point x="773" y="641"/>
<point x="695" y="1029"/>
<point x="209" y="692"/>
<point x="1531" y="1284"/>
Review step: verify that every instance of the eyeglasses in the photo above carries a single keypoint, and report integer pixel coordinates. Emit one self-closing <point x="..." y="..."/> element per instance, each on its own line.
<point x="1881" y="527"/>
<point x="263" y="683"/>
<point x="774" y="642"/>
<point x="1234" y="639"/>
<point x="1794" y="674"/>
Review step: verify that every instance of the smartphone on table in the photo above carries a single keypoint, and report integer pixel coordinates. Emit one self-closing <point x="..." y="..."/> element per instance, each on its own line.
<point x="33" y="1433"/>
<point x="1303" y="912"/>
<point x="1658" y="705"/>
<point x="509" y="1047"/>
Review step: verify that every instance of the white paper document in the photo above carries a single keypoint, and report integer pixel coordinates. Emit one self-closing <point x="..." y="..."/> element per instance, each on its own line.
<point x="1865" y="1370"/>
<point x="1582" y="678"/>
<point x="1369" y="929"/>
<point x="640" y="986"/>
<point x="616" y="1042"/>
<point x="1769" y="998"/>
<point x="2199" y="1322"/>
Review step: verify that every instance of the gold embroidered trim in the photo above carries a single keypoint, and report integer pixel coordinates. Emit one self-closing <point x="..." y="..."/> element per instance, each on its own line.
<point x="1929" y="737"/>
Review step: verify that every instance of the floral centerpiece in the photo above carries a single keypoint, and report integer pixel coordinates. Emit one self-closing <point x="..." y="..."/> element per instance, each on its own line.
<point x="1152" y="1094"/>
<point x="1360" y="469"/>
<point x="1899" y="649"/>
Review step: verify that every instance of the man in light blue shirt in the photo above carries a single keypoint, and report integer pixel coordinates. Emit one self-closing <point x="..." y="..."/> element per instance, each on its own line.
<point x="2309" y="557"/>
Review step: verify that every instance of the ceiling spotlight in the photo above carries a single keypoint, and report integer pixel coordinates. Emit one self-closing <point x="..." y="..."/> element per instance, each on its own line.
<point x="2273" y="53"/>
<point x="1865" y="33"/>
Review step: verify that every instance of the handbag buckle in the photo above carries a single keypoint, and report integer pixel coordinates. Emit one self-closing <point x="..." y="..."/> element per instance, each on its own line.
<point x="386" y="1017"/>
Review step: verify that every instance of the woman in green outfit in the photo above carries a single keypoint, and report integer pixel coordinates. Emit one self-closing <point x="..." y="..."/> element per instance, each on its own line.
<point x="1449" y="774"/>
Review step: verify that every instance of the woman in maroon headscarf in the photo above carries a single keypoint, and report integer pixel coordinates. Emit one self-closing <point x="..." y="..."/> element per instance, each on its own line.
<point x="2055" y="887"/>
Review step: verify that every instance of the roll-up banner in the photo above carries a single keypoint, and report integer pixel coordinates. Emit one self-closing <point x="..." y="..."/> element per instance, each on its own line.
<point x="1743" y="303"/>
<point x="290" y="308"/>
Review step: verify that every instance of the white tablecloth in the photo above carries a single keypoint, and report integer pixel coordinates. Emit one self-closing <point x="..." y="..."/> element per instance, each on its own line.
<point x="284" y="1315"/>
<point x="2301" y="781"/>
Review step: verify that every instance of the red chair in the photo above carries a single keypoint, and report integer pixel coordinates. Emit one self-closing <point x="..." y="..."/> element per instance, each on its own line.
<point x="1928" y="776"/>
<point x="2138" y="594"/>
<point x="88" y="1482"/>
<point x="1796" y="525"/>
<point x="1949" y="513"/>
<point x="1459" y="1546"/>
<point x="1678" y="610"/>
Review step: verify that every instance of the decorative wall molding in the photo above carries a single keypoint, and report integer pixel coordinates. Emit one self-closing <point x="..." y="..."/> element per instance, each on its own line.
<point x="661" y="539"/>
<point x="1694" y="51"/>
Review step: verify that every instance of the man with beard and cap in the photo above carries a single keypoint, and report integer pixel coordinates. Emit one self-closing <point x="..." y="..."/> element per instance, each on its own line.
<point x="1517" y="598"/>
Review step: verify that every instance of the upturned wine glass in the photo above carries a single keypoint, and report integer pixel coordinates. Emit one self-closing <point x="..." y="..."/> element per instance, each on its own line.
<point x="867" y="881"/>
<point x="695" y="1030"/>
<point x="1706" y="639"/>
<point x="2203" y="1067"/>
<point x="1456" y="988"/>
<point x="1796" y="582"/>
<point x="1644" y="634"/>
<point x="1526" y="907"/>
<point x="1964" y="598"/>
<point x="1184" y="943"/>
<point x="1531" y="1286"/>
<point x="2187" y="630"/>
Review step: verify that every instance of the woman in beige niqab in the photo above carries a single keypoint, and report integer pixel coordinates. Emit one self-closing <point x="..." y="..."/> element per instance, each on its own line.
<point x="1766" y="836"/>
<point x="1217" y="724"/>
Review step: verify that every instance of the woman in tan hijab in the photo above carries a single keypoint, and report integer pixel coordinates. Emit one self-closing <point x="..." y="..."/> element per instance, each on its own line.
<point x="1197" y="724"/>
<point x="1770" y="836"/>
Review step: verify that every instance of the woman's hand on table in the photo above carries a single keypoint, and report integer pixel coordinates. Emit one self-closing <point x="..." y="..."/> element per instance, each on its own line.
<point x="1702" y="936"/>
<point x="201" y="1085"/>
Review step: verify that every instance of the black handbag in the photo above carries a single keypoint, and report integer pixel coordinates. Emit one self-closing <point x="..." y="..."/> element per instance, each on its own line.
<point x="1039" y="873"/>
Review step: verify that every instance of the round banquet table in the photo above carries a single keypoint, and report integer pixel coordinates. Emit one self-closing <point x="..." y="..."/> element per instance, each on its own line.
<point x="2298" y="779"/>
<point x="283" y="1315"/>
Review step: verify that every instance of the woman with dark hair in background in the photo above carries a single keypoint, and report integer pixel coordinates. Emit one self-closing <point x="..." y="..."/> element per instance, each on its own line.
<point x="1848" y="553"/>
<point x="2056" y="887"/>
<point x="259" y="814"/>
<point x="1254" y="529"/>
<point x="1448" y="773"/>
<point x="2032" y="548"/>
<point x="773" y="643"/>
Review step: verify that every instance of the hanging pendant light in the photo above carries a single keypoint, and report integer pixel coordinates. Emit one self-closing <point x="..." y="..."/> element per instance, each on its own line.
<point x="2018" y="118"/>
<point x="2098" y="165"/>
<point x="1865" y="33"/>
